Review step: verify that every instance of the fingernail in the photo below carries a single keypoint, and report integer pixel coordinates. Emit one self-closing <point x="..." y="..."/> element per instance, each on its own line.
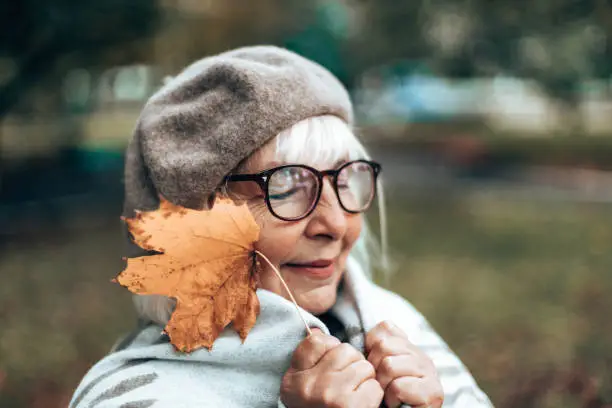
<point x="316" y="331"/>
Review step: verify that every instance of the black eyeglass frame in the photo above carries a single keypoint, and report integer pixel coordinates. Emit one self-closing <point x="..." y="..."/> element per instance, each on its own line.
<point x="263" y="179"/>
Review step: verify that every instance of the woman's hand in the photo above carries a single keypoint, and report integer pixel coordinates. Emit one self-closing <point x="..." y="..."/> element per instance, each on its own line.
<point x="327" y="373"/>
<point x="403" y="371"/>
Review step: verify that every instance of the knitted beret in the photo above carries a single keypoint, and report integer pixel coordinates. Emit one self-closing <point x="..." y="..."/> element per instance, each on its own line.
<point x="214" y="114"/>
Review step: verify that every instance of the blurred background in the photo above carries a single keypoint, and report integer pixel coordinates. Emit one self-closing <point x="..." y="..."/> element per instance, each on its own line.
<point x="492" y="119"/>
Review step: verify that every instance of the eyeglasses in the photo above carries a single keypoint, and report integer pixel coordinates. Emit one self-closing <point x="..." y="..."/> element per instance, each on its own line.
<point x="293" y="191"/>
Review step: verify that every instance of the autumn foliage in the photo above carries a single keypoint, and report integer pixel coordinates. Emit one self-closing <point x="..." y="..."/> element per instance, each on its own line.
<point x="206" y="262"/>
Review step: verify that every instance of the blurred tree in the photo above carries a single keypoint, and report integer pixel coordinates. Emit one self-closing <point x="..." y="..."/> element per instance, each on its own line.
<point x="44" y="46"/>
<point x="323" y="38"/>
<point x="389" y="30"/>
<point x="38" y="39"/>
<point x="192" y="29"/>
<point x="558" y="42"/>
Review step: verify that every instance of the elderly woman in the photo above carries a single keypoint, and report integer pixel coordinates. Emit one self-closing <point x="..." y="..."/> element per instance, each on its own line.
<point x="266" y="126"/>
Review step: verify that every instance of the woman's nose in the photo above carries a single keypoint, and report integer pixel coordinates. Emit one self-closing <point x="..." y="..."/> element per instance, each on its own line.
<point x="328" y="219"/>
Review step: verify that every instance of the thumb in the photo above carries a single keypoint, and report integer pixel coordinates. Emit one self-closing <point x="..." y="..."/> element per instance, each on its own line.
<point x="312" y="349"/>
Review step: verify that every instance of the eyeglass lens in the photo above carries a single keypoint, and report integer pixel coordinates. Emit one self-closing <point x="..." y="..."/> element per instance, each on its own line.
<point x="293" y="190"/>
<point x="356" y="186"/>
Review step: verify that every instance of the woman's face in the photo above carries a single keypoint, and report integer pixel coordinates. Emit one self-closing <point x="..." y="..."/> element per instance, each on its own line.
<point x="310" y="253"/>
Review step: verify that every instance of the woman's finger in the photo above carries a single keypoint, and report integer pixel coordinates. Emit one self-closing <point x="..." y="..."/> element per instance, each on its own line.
<point x="368" y="394"/>
<point x="340" y="357"/>
<point x="310" y="351"/>
<point x="381" y="331"/>
<point x="413" y="391"/>
<point x="389" y="346"/>
<point x="392" y="367"/>
<point x="357" y="373"/>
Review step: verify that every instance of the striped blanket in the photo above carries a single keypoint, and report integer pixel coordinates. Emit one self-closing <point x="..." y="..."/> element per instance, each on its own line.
<point x="144" y="370"/>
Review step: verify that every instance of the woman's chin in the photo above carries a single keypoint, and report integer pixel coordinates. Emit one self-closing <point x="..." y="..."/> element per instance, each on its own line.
<point x="318" y="302"/>
<point x="316" y="296"/>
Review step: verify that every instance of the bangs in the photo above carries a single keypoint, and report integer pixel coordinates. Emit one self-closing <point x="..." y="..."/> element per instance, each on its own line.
<point x="320" y="141"/>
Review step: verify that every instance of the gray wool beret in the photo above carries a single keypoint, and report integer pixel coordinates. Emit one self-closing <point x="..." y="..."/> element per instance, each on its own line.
<point x="214" y="114"/>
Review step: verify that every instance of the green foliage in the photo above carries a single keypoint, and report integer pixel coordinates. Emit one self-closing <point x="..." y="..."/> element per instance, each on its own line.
<point x="73" y="25"/>
<point x="37" y="37"/>
<point x="556" y="42"/>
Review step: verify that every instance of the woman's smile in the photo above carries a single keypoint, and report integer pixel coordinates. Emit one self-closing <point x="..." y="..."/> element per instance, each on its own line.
<point x="319" y="269"/>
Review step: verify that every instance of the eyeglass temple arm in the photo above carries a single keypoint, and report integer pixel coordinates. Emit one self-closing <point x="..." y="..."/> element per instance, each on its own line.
<point x="244" y="177"/>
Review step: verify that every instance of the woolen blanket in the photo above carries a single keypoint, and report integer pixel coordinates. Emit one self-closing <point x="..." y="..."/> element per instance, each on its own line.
<point x="146" y="371"/>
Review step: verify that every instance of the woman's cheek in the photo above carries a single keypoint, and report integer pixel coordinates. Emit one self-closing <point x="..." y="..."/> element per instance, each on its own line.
<point x="259" y="211"/>
<point x="273" y="242"/>
<point x="355" y="223"/>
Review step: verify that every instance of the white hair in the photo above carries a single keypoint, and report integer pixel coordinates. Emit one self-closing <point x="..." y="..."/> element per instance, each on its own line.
<point x="321" y="141"/>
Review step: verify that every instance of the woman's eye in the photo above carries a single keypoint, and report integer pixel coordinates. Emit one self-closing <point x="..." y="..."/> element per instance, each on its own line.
<point x="283" y="195"/>
<point x="343" y="182"/>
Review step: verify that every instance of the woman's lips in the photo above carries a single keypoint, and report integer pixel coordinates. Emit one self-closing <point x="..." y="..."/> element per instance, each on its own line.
<point x="320" y="269"/>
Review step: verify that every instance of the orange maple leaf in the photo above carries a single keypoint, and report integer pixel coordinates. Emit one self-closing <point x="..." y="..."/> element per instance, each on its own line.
<point x="206" y="262"/>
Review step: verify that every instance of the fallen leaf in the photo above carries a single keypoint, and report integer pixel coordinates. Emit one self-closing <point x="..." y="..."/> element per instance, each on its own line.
<point x="206" y="262"/>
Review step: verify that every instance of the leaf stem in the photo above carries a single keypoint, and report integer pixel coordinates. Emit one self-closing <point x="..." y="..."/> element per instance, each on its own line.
<point x="287" y="289"/>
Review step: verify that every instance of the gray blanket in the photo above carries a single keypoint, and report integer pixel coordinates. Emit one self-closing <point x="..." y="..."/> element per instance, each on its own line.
<point x="146" y="371"/>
